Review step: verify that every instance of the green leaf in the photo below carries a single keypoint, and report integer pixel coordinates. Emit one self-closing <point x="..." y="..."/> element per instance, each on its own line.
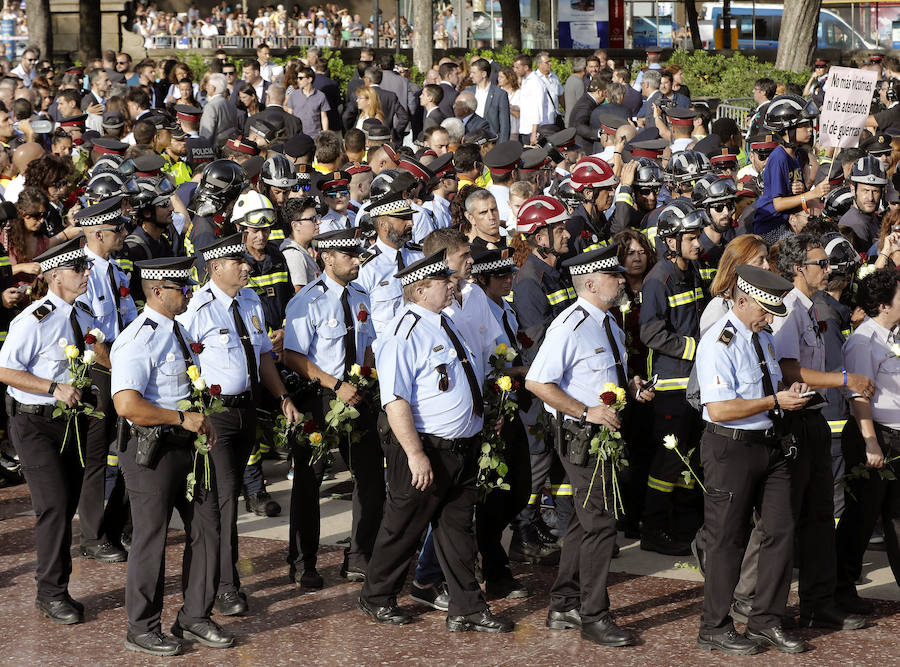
<point x="888" y="475"/>
<point x="484" y="462"/>
<point x="57" y="413"/>
<point x="504" y="486"/>
<point x="184" y="404"/>
<point x="502" y="469"/>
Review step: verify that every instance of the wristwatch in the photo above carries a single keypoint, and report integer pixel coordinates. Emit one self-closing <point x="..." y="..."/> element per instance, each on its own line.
<point x="283" y="397"/>
<point x="337" y="385"/>
<point x="583" y="416"/>
<point x="53" y="386"/>
<point x="180" y="417"/>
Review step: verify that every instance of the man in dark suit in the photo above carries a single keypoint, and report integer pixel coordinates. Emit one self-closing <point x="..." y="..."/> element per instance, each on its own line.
<point x="395" y="116"/>
<point x="595" y="93"/>
<point x="332" y="93"/>
<point x="402" y="87"/>
<point x="250" y="76"/>
<point x="464" y="109"/>
<point x="430" y="100"/>
<point x="449" y="73"/>
<point x="632" y="99"/>
<point x="495" y="105"/>
<point x="366" y="60"/>
<point x="275" y="109"/>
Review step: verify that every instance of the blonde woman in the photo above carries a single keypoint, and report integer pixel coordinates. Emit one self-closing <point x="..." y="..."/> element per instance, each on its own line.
<point x="369" y="105"/>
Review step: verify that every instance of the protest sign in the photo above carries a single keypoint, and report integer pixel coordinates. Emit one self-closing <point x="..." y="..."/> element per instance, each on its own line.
<point x="848" y="97"/>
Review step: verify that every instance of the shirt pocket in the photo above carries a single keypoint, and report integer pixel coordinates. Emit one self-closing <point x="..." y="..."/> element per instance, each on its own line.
<point x="225" y="349"/>
<point x="749" y="380"/>
<point x="103" y="306"/>
<point x="172" y="376"/>
<point x="53" y="361"/>
<point x="441" y="364"/>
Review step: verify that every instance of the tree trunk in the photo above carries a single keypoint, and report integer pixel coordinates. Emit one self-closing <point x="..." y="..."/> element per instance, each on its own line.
<point x="423" y="34"/>
<point x="797" y="41"/>
<point x="40" y="28"/>
<point x="89" y="18"/>
<point x="512" y="24"/>
<point x="690" y="7"/>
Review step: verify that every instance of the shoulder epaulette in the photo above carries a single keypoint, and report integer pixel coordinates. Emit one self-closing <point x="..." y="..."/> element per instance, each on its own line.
<point x="578" y="310"/>
<point x="727" y="335"/>
<point x="43" y="310"/>
<point x="203" y="297"/>
<point x="415" y="321"/>
<point x="369" y="255"/>
<point x="81" y="305"/>
<point x="318" y="284"/>
<point x="356" y="288"/>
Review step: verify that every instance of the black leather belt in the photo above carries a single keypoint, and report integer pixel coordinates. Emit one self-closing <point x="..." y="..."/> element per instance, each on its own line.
<point x="40" y="410"/>
<point x="244" y="400"/>
<point x="887" y="429"/>
<point x="740" y="434"/>
<point x="458" y="445"/>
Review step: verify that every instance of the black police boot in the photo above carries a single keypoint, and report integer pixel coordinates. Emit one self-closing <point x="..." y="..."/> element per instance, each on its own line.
<point x="436" y="596"/>
<point x="152" y="643"/>
<point x="663" y="543"/>
<point x="506" y="586"/>
<point x="535" y="552"/>
<point x="780" y="640"/>
<point x="481" y="621"/>
<point x="390" y="614"/>
<point x="728" y="641"/>
<point x="105" y="553"/>
<point x="61" y="612"/>
<point x="262" y="504"/>
<point x="830" y="615"/>
<point x="563" y="620"/>
<point x="206" y="632"/>
<point x="606" y="633"/>
<point x="231" y="603"/>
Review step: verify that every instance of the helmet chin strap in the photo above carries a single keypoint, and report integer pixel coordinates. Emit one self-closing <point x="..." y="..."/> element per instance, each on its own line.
<point x="549" y="250"/>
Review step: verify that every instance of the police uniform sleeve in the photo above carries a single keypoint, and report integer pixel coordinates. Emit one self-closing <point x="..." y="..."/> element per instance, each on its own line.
<point x="654" y="321"/>
<point x="787" y="332"/>
<point x="858" y="355"/>
<point x="553" y="356"/>
<point x="299" y="329"/>
<point x="21" y="345"/>
<point x="396" y="374"/>
<point x="715" y="370"/>
<point x="131" y="366"/>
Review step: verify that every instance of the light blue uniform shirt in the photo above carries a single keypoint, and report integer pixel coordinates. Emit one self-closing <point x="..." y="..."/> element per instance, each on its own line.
<point x="333" y="221"/>
<point x="376" y="278"/>
<point x="498" y="312"/>
<point x="37" y="341"/>
<point x="424" y="223"/>
<point x="577" y="356"/>
<point x="728" y="370"/>
<point x="315" y="328"/>
<point x="102" y="300"/>
<point x="209" y="320"/>
<point x="476" y="322"/>
<point x="147" y="358"/>
<point x="797" y="334"/>
<point x="408" y="360"/>
<point x="440" y="208"/>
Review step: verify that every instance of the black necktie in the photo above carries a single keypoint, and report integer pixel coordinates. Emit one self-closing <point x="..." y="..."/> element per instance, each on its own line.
<point x="513" y="340"/>
<point x="244" y="335"/>
<point x="477" y="400"/>
<point x="76" y="329"/>
<point x="188" y="359"/>
<point x="111" y="272"/>
<point x="350" y="336"/>
<point x="768" y="387"/>
<point x="620" y="367"/>
<point x="400" y="263"/>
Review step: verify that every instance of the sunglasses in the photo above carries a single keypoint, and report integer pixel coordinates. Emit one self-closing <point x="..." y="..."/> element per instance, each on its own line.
<point x="722" y="206"/>
<point x="821" y="263"/>
<point x="646" y="192"/>
<point x="79" y="266"/>
<point x="116" y="229"/>
<point x="231" y="73"/>
<point x="314" y="219"/>
<point x="59" y="184"/>
<point x="35" y="216"/>
<point x="121" y="62"/>
<point x="444" y="379"/>
<point x="335" y="194"/>
<point x="186" y="290"/>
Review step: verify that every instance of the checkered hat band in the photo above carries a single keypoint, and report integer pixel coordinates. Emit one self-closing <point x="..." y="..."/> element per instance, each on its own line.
<point x="507" y="263"/>
<point x="592" y="267"/>
<point x="424" y="272"/>
<point x="224" y="251"/>
<point x="390" y="208"/>
<point x="100" y="219"/>
<point x="165" y="274"/>
<point x="329" y="244"/>
<point x="758" y="294"/>
<point x="62" y="260"/>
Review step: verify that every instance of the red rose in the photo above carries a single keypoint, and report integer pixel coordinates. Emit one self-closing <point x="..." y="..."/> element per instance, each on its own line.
<point x="362" y="316"/>
<point x="863" y="257"/>
<point x="219" y="219"/>
<point x="608" y="397"/>
<point x="495" y="388"/>
<point x="124" y="291"/>
<point x="516" y="385"/>
<point x="524" y="340"/>
<point x="309" y="426"/>
<point x="215" y="389"/>
<point x="365" y="371"/>
<point x="585" y="234"/>
<point x="823" y="326"/>
<point x="90" y="339"/>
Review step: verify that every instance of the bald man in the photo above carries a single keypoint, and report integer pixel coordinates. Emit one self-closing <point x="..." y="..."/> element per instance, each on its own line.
<point x="464" y="108"/>
<point x="22" y="156"/>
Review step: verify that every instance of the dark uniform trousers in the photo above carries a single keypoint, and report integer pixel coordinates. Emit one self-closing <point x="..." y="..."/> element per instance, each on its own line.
<point x="812" y="502"/>
<point x="235" y="434"/>
<point x="447" y="504"/>
<point x="95" y="527"/>
<point x="365" y="460"/>
<point x="499" y="508"/>
<point x="154" y="493"/>
<point x="739" y="476"/>
<point x="867" y="499"/>
<point x="587" y="547"/>
<point x="54" y="482"/>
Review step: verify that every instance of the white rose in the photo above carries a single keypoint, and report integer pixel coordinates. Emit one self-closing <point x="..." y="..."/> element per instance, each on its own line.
<point x="865" y="270"/>
<point x="199" y="384"/>
<point x="88" y="357"/>
<point x="895" y="349"/>
<point x="510" y="354"/>
<point x="96" y="333"/>
<point x="670" y="441"/>
<point x="625" y="308"/>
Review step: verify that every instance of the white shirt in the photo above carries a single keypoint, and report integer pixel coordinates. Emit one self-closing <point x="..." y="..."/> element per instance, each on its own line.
<point x="476" y="321"/>
<point x="271" y="72"/>
<point x="537" y="105"/>
<point x="14" y="189"/>
<point x="481" y="98"/>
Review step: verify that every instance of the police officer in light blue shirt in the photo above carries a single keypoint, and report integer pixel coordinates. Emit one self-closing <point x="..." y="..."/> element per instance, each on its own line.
<point x="430" y="389"/>
<point x="226" y="325"/>
<point x="150" y="360"/>
<point x="391" y="215"/>
<point x="328" y="333"/>
<point x="34" y="367"/>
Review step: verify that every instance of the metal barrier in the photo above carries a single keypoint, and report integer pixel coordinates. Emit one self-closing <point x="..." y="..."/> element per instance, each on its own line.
<point x="739" y="109"/>
<point x="226" y="42"/>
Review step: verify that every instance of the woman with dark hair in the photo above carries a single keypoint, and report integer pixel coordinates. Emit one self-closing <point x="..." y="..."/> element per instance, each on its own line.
<point x="872" y="437"/>
<point x="889" y="240"/>
<point x="247" y="106"/>
<point x="458" y="208"/>
<point x="23" y="235"/>
<point x="50" y="173"/>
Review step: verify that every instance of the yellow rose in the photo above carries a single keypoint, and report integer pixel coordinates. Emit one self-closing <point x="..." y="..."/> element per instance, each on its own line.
<point x="193" y="372"/>
<point x="373" y="374"/>
<point x="315" y="438"/>
<point x="620" y="395"/>
<point x="505" y="383"/>
<point x="500" y="350"/>
<point x="72" y="352"/>
<point x="609" y="386"/>
<point x="355" y="369"/>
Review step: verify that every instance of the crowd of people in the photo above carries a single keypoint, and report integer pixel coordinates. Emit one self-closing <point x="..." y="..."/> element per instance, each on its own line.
<point x="470" y="291"/>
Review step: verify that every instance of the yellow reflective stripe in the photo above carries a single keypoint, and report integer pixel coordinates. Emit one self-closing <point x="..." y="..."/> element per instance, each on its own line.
<point x="846" y="333"/>
<point x="3" y="336"/>
<point x="561" y="489"/>
<point x="594" y="246"/>
<point x="681" y="484"/>
<point x="276" y="235"/>
<point x="112" y="460"/>
<point x="188" y="245"/>
<point x="650" y="233"/>
<point x="534" y="498"/>
<point x="671" y="384"/>
<point x="708" y="273"/>
<point x="255" y="458"/>
<point x="690" y="348"/>
<point x="685" y="298"/>
<point x="837" y="426"/>
<point x="557" y="297"/>
<point x="660" y="485"/>
<point x="269" y="279"/>
<point x="625" y="198"/>
<point x="126" y="265"/>
<point x="5" y="261"/>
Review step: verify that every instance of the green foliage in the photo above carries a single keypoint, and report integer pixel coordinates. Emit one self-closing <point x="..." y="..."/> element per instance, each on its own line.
<point x="341" y="72"/>
<point x="198" y="65"/>
<point x="728" y="76"/>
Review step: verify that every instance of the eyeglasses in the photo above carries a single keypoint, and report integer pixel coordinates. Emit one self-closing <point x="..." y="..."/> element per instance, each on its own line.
<point x="59" y="185"/>
<point x="314" y="219"/>
<point x="186" y="290"/>
<point x="821" y="263"/>
<point x="115" y="229"/>
<point x="29" y="60"/>
<point x="121" y="62"/>
<point x="35" y="216"/>
<point x="335" y="194"/>
<point x="722" y="206"/>
<point x="79" y="266"/>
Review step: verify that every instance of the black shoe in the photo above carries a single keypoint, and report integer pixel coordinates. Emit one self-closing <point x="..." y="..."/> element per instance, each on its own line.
<point x="729" y="641"/>
<point x="230" y="604"/>
<point x="105" y="553"/>
<point x="435" y="596"/>
<point x="777" y="638"/>
<point x="352" y="573"/>
<point x="606" y="633"/>
<point x="392" y="614"/>
<point x="61" y="612"/>
<point x="75" y="603"/>
<point x="545" y="534"/>
<point x="125" y="541"/>
<point x="262" y="504"/>
<point x="831" y="616"/>
<point x="853" y="603"/>
<point x="152" y="643"/>
<point x="563" y="620"/>
<point x="663" y="543"/>
<point x="310" y="579"/>
<point x="480" y="621"/>
<point x="206" y="632"/>
<point x="536" y="553"/>
<point x="699" y="556"/>
<point x="740" y="611"/>
<point x="507" y="587"/>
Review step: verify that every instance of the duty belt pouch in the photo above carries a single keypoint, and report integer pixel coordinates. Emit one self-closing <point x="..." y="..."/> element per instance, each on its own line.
<point x="122" y="433"/>
<point x="786" y="438"/>
<point x="149" y="439"/>
<point x="571" y="443"/>
<point x="10" y="403"/>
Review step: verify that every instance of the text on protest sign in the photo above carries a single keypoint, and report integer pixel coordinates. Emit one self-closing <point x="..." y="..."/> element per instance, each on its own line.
<point x="848" y="97"/>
